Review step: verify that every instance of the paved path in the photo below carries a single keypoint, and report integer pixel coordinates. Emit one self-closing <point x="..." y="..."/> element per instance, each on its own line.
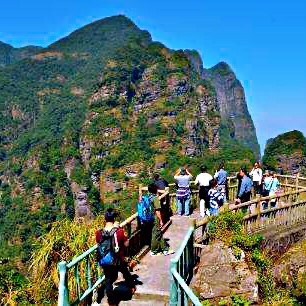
<point x="153" y="271"/>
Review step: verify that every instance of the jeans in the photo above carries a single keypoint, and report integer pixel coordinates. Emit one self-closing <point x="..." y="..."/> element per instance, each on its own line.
<point x="183" y="204"/>
<point x="214" y="211"/>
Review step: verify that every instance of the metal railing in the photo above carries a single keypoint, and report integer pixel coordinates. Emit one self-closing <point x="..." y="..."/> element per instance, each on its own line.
<point x="181" y="272"/>
<point x="287" y="208"/>
<point x="80" y="277"/>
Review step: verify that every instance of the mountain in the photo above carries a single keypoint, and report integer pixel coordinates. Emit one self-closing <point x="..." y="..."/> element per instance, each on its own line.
<point x="86" y="119"/>
<point x="10" y="55"/>
<point x="286" y="153"/>
<point x="236" y="120"/>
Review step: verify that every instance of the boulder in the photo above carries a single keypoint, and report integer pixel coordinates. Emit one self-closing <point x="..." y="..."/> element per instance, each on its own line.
<point x="220" y="274"/>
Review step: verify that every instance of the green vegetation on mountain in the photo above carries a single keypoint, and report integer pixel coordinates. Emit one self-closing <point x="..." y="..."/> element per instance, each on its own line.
<point x="286" y="152"/>
<point x="81" y="114"/>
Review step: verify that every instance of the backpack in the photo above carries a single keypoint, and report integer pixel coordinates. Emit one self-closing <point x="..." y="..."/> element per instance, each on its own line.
<point x="145" y="209"/>
<point x="106" y="250"/>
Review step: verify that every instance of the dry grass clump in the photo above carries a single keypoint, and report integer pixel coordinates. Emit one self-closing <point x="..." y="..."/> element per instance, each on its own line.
<point x="65" y="241"/>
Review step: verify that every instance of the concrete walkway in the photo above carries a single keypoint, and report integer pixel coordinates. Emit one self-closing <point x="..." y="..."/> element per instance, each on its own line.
<point x="153" y="271"/>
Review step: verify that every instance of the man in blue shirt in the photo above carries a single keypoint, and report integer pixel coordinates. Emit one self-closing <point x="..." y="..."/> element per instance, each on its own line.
<point x="244" y="194"/>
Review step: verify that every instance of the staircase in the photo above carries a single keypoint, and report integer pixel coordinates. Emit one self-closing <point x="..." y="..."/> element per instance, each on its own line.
<point x="153" y="271"/>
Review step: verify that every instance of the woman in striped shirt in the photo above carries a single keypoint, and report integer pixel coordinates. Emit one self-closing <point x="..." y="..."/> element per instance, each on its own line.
<point x="216" y="197"/>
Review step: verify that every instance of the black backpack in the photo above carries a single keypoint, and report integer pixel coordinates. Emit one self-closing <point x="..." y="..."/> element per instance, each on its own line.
<point x="107" y="248"/>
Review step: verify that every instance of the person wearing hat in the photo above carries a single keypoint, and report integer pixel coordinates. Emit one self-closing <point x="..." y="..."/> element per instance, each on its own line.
<point x="244" y="193"/>
<point x="183" y="193"/>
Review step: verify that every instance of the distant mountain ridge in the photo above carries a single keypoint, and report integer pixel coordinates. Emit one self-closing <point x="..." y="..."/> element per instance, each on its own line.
<point x="10" y="55"/>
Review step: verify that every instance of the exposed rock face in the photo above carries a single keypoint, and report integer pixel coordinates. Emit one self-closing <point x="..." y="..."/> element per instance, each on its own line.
<point x="290" y="272"/>
<point x="81" y="205"/>
<point x="232" y="103"/>
<point x="286" y="153"/>
<point x="221" y="275"/>
<point x="204" y="126"/>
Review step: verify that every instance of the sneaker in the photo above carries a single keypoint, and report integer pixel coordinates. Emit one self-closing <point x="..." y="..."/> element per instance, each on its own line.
<point x="168" y="252"/>
<point x="155" y="253"/>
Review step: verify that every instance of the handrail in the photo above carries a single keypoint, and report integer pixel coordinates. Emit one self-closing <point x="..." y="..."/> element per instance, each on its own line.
<point x="180" y="269"/>
<point x="194" y="299"/>
<point x="64" y="267"/>
<point x="183" y="262"/>
<point x="178" y="283"/>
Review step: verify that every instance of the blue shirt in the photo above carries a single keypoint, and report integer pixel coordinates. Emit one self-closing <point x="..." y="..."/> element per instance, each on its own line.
<point x="246" y="186"/>
<point x="221" y="177"/>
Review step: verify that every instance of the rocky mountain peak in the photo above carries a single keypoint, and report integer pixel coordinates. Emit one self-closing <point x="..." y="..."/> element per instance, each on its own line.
<point x="235" y="116"/>
<point x="104" y="33"/>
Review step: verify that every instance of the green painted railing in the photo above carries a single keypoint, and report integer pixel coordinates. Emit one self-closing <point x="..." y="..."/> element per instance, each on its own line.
<point x="182" y="265"/>
<point x="80" y="277"/>
<point x="181" y="272"/>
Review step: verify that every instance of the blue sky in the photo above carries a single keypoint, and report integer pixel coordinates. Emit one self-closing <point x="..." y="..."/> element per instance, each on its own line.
<point x="263" y="41"/>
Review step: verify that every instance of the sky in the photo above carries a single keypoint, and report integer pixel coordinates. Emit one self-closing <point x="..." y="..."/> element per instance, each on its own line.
<point x="264" y="42"/>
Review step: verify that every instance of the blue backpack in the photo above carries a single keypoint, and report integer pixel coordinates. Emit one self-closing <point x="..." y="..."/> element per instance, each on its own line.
<point x="108" y="248"/>
<point x="145" y="209"/>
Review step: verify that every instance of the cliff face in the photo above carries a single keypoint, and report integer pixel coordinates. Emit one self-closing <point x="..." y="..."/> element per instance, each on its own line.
<point x="96" y="112"/>
<point x="233" y="106"/>
<point x="286" y="153"/>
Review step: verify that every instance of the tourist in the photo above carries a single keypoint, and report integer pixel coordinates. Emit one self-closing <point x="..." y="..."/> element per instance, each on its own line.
<point x="239" y="179"/>
<point x="244" y="193"/>
<point x="266" y="184"/>
<point x="183" y="193"/>
<point x="161" y="184"/>
<point x="158" y="244"/>
<point x="203" y="180"/>
<point x="275" y="184"/>
<point x="256" y="175"/>
<point x="221" y="177"/>
<point x="111" y="244"/>
<point x="216" y="197"/>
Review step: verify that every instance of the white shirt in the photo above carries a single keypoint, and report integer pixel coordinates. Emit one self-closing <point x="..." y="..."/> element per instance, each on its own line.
<point x="203" y="179"/>
<point x="256" y="174"/>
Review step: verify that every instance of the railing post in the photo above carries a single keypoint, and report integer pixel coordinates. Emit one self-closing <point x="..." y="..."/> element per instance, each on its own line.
<point x="297" y="182"/>
<point x="63" y="299"/>
<point x="191" y="258"/>
<point x="173" y="285"/>
<point x="140" y="192"/>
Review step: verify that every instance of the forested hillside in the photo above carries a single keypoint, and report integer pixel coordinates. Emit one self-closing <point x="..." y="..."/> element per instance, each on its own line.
<point x="286" y="153"/>
<point x="86" y="119"/>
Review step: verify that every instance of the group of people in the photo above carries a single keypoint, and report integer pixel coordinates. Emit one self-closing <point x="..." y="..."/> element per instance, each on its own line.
<point x="153" y="212"/>
<point x="265" y="184"/>
<point x="212" y="190"/>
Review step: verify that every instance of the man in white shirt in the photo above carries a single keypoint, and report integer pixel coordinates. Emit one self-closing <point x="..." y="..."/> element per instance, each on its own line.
<point x="203" y="180"/>
<point x="256" y="175"/>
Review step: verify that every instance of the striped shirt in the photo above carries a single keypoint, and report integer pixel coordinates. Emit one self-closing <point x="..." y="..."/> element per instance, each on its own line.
<point x="216" y="198"/>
